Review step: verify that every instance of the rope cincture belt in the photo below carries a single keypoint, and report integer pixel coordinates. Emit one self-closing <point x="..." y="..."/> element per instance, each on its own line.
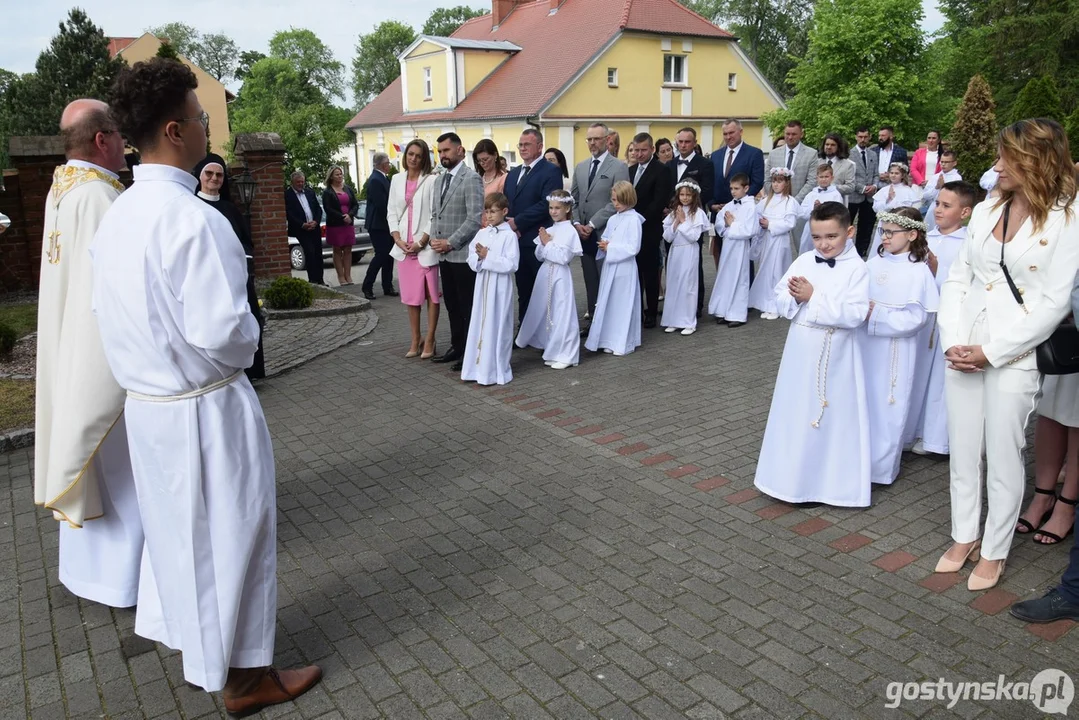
<point x="822" y="367"/>
<point x="198" y="392"/>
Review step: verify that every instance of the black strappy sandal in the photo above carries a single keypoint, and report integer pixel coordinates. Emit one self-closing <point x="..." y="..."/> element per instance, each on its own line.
<point x="1029" y="527"/>
<point x="1053" y="536"/>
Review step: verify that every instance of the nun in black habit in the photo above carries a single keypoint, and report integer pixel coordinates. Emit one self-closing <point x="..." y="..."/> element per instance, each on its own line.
<point x="213" y="189"/>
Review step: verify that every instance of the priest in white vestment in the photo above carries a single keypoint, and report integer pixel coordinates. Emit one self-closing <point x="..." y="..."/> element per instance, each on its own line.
<point x="816" y="444"/>
<point x="82" y="471"/>
<point x="171" y="301"/>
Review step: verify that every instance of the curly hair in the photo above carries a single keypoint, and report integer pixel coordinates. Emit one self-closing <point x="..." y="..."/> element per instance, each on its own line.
<point x="1035" y="152"/>
<point x="148" y="95"/>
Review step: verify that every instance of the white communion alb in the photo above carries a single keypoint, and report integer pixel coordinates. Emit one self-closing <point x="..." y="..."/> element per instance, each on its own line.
<point x="617" y="324"/>
<point x="680" y="301"/>
<point x="730" y="294"/>
<point x="490" y="331"/>
<point x="772" y="250"/>
<point x="170" y="295"/>
<point x="550" y="323"/>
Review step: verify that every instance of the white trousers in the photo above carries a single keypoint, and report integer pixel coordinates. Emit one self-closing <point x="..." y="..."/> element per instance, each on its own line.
<point x="988" y="414"/>
<point x="100" y="561"/>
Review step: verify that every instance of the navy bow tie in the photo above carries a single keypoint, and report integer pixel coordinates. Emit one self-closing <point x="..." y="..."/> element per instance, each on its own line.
<point x="820" y="189"/>
<point x="736" y="202"/>
<point x="830" y="261"/>
<point x="682" y="162"/>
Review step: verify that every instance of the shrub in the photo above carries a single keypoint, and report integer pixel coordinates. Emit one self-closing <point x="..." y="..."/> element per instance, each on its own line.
<point x="8" y="338"/>
<point x="289" y="293"/>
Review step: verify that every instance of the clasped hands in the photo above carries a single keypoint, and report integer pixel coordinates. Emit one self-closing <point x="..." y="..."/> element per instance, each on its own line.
<point x="800" y="288"/>
<point x="966" y="358"/>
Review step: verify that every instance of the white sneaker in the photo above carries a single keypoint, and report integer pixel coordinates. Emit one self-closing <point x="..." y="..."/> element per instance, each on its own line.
<point x="919" y="448"/>
<point x="548" y="364"/>
<point x="669" y="330"/>
<point x="689" y="331"/>
<point x="586" y="316"/>
<point x="608" y="351"/>
<point x="558" y="365"/>
<point x="769" y="316"/>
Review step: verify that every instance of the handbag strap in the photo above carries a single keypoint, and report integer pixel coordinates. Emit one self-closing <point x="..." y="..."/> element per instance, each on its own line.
<point x="1007" y="275"/>
<point x="408" y="203"/>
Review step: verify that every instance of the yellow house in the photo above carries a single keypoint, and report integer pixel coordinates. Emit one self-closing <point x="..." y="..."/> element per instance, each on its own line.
<point x="637" y="65"/>
<point x="211" y="93"/>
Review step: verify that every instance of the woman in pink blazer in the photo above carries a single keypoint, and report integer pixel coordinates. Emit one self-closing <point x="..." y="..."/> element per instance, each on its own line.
<point x="926" y="161"/>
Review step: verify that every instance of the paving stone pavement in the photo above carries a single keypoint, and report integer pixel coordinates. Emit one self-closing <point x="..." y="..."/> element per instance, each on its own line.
<point x="583" y="543"/>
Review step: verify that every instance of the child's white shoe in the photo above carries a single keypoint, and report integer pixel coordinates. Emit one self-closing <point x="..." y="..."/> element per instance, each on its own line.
<point x="769" y="316"/>
<point x="669" y="330"/>
<point x="547" y="363"/>
<point x="689" y="331"/>
<point x="608" y="351"/>
<point x="558" y="365"/>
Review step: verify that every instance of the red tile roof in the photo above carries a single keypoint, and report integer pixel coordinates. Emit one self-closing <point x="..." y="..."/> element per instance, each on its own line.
<point x="119" y="44"/>
<point x="554" y="48"/>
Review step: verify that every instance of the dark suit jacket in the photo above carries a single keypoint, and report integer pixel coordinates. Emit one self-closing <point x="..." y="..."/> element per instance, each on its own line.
<point x="295" y="217"/>
<point x="654" y="191"/>
<point x="378" y="202"/>
<point x="700" y="171"/>
<point x="750" y="160"/>
<point x="335" y="214"/>
<point x="899" y="155"/>
<point x="528" y="200"/>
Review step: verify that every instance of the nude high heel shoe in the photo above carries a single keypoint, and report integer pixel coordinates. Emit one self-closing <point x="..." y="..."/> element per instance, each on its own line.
<point x="976" y="583"/>
<point x="947" y="565"/>
<point x="429" y="355"/>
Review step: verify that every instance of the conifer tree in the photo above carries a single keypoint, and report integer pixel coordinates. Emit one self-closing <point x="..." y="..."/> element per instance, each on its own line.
<point x="974" y="135"/>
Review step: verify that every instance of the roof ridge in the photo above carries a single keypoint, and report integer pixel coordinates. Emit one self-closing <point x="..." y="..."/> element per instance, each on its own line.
<point x="624" y="20"/>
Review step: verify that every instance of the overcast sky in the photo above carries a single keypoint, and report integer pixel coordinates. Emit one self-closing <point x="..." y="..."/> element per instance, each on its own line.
<point x="29" y="25"/>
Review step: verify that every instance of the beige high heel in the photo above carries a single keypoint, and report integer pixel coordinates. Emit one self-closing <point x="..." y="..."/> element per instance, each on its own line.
<point x="977" y="583"/>
<point x="412" y="353"/>
<point x="947" y="565"/>
<point x="429" y="355"/>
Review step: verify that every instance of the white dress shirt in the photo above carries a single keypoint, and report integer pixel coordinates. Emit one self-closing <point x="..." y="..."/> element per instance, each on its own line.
<point x="730" y="154"/>
<point x="681" y="167"/>
<point x="303" y="203"/>
<point x="885" y="159"/>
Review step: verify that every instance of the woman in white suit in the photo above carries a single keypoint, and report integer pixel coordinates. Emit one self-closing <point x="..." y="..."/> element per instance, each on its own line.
<point x="990" y="327"/>
<point x="408" y="214"/>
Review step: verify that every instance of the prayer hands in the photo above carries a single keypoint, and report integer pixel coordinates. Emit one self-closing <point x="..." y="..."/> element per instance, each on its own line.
<point x="816" y="203"/>
<point x="728" y="218"/>
<point x="603" y="245"/>
<point x="481" y="251"/>
<point x="871" y="306"/>
<point x="940" y="181"/>
<point x="544" y="236"/>
<point x="679" y="215"/>
<point x="891" y="193"/>
<point x="966" y="358"/>
<point x="800" y="289"/>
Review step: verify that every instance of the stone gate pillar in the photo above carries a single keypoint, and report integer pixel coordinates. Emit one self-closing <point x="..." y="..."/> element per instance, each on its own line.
<point x="264" y="156"/>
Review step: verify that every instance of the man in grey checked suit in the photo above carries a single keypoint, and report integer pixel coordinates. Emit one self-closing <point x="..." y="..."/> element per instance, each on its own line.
<point x="802" y="161"/>
<point x="455" y="218"/>
<point x="865" y="185"/>
<point x="592" y="182"/>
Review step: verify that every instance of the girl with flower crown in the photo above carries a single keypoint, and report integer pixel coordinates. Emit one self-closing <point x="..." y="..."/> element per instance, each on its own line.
<point x="682" y="228"/>
<point x="897" y="194"/>
<point x="550" y="323"/>
<point x="777" y="215"/>
<point x="903" y="297"/>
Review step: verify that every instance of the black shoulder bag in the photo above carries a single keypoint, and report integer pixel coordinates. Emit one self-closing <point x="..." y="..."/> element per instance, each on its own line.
<point x="1059" y="355"/>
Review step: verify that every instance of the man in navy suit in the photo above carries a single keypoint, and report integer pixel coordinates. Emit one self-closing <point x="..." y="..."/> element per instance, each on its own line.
<point x="688" y="164"/>
<point x="887" y="153"/>
<point x="374" y="221"/>
<point x="734" y="157"/>
<point x="303" y="213"/>
<point x="527" y="187"/>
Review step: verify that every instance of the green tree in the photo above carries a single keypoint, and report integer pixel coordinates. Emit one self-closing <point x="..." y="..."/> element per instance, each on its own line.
<point x="183" y="37"/>
<point x="76" y="64"/>
<point x="375" y="65"/>
<point x="217" y="54"/>
<point x="1039" y="98"/>
<point x="849" y="76"/>
<point x="276" y="97"/>
<point x="443" y="22"/>
<point x="167" y="51"/>
<point x="312" y="59"/>
<point x="1071" y="126"/>
<point x="246" y="60"/>
<point x="974" y="135"/>
<point x="773" y="33"/>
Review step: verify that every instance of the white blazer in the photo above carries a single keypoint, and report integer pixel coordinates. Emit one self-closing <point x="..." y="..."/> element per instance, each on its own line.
<point x="397" y="209"/>
<point x="1043" y="266"/>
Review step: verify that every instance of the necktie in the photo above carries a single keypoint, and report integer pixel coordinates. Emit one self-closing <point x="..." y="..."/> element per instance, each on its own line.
<point x="830" y="262"/>
<point x="730" y="161"/>
<point x="638" y="172"/>
<point x="790" y="157"/>
<point x="829" y="162"/>
<point x="592" y="172"/>
<point x="524" y="173"/>
<point x="865" y="165"/>
<point x="445" y="186"/>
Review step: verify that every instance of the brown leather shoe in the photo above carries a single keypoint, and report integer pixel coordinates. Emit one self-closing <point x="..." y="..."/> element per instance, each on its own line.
<point x="277" y="686"/>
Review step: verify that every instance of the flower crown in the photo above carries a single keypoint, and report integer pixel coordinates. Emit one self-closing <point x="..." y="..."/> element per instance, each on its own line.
<point x="899" y="165"/>
<point x="902" y="221"/>
<point x="781" y="171"/>
<point x="564" y="199"/>
<point x="688" y="184"/>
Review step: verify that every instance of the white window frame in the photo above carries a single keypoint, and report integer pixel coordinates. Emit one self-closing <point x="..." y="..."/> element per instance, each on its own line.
<point x="428" y="84"/>
<point x="612" y="77"/>
<point x="675" y="60"/>
<point x="732" y="81"/>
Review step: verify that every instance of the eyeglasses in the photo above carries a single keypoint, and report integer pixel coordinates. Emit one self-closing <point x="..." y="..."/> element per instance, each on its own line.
<point x="203" y="118"/>
<point x="887" y="234"/>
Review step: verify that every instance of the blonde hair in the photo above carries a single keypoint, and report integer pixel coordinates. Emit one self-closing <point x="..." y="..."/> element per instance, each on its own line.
<point x="771" y="191"/>
<point x="1036" y="152"/>
<point x="329" y="174"/>
<point x="624" y="193"/>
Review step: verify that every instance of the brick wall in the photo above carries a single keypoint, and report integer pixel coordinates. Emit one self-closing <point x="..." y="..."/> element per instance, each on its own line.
<point x="264" y="156"/>
<point x="15" y="270"/>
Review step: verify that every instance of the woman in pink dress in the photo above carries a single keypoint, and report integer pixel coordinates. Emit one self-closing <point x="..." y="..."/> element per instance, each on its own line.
<point x="341" y="207"/>
<point x="409" y="216"/>
<point x="492" y="168"/>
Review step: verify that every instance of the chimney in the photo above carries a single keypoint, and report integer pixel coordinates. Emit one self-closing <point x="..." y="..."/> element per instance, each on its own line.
<point x="499" y="10"/>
